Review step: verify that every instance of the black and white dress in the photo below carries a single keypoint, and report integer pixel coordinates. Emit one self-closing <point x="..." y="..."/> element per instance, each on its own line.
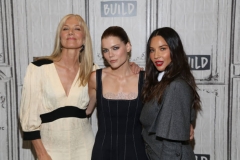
<point x="59" y="120"/>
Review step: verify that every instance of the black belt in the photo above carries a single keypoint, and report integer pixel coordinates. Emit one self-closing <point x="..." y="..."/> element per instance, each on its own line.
<point x="63" y="112"/>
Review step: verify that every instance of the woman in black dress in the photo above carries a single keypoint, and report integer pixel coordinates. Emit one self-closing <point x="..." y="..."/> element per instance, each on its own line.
<point x="117" y="90"/>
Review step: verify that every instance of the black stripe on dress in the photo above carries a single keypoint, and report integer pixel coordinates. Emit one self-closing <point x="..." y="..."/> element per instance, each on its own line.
<point x="41" y="62"/>
<point x="63" y="112"/>
<point x="31" y="135"/>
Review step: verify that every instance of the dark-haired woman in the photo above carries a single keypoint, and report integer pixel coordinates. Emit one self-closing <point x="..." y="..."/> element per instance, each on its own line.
<point x="118" y="94"/>
<point x="170" y="98"/>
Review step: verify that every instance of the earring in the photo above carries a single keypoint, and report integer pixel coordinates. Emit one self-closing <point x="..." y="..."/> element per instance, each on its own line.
<point x="82" y="48"/>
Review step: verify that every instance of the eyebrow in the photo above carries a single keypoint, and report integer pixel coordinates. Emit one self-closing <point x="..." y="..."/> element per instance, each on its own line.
<point x="160" y="46"/>
<point x="68" y="25"/>
<point x="115" y="45"/>
<point x="163" y="45"/>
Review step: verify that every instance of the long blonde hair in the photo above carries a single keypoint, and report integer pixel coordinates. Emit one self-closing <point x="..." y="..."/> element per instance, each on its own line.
<point x="85" y="57"/>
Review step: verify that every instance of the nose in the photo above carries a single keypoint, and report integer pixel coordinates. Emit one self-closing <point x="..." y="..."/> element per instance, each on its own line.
<point x="111" y="53"/>
<point x="157" y="54"/>
<point x="70" y="32"/>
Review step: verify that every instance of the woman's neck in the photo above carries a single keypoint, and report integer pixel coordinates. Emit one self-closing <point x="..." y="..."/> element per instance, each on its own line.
<point x="69" y="59"/>
<point x="122" y="71"/>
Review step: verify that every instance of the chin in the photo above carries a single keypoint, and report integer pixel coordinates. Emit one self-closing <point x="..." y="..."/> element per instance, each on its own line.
<point x="114" y="66"/>
<point x="160" y="69"/>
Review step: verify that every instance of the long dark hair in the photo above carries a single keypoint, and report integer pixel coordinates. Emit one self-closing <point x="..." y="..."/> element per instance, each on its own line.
<point x="178" y="67"/>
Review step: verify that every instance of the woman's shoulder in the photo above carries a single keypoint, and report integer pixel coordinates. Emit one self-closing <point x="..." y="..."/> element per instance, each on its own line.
<point x="37" y="65"/>
<point x="93" y="74"/>
<point x="106" y="71"/>
<point x="41" y="62"/>
<point x="95" y="67"/>
<point x="178" y="85"/>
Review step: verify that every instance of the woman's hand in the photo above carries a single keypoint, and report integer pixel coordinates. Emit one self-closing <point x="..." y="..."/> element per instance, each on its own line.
<point x="135" y="68"/>
<point x="191" y="132"/>
<point x="40" y="150"/>
<point x="44" y="157"/>
<point x="88" y="112"/>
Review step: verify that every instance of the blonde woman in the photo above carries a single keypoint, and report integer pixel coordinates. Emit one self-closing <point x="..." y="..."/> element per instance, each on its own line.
<point x="55" y="96"/>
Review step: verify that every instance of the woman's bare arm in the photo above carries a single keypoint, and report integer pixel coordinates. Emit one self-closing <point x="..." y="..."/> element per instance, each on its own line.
<point x="92" y="93"/>
<point x="40" y="150"/>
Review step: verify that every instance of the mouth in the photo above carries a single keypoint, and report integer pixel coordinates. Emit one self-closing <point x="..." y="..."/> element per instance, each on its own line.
<point x="113" y="61"/>
<point x="158" y="63"/>
<point x="71" y="38"/>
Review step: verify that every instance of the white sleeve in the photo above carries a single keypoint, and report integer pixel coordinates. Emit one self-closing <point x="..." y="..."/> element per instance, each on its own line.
<point x="30" y="100"/>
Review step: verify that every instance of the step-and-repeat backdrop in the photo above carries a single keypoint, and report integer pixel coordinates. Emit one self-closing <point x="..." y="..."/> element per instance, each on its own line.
<point x="210" y="31"/>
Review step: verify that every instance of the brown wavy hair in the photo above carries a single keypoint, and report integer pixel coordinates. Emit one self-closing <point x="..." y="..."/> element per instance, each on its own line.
<point x="178" y="67"/>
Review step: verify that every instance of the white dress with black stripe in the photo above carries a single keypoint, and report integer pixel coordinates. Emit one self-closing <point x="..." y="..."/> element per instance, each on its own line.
<point x="47" y="113"/>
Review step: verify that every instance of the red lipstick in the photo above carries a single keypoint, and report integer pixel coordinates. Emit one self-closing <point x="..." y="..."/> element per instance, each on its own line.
<point x="159" y="63"/>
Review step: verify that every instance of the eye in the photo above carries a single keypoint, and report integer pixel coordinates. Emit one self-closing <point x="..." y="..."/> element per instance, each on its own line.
<point x="104" y="50"/>
<point x="116" y="48"/>
<point x="79" y="29"/>
<point x="162" y="48"/>
<point x="151" y="50"/>
<point x="65" y="28"/>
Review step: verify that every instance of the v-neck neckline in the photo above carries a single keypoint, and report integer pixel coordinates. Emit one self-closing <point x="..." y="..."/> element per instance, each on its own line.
<point x="60" y="83"/>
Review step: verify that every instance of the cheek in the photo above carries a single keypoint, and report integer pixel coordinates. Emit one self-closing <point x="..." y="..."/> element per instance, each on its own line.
<point x="121" y="53"/>
<point x="80" y="36"/>
<point x="62" y="37"/>
<point x="105" y="56"/>
<point x="151" y="55"/>
<point x="169" y="59"/>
